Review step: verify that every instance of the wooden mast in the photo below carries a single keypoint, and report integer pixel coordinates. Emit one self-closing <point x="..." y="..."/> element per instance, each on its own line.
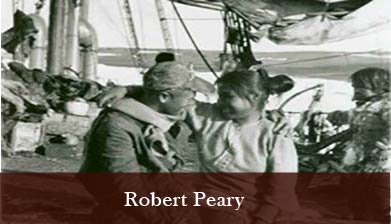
<point x="131" y="31"/>
<point x="164" y="26"/>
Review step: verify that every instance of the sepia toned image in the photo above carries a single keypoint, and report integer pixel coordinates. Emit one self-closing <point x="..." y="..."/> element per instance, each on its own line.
<point x="195" y="111"/>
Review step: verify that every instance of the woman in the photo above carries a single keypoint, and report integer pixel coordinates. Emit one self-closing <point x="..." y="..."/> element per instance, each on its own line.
<point x="235" y="137"/>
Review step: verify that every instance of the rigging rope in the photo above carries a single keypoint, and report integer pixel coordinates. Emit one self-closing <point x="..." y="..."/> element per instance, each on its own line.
<point x="197" y="19"/>
<point x="192" y="40"/>
<point x="113" y="25"/>
<point x="203" y="5"/>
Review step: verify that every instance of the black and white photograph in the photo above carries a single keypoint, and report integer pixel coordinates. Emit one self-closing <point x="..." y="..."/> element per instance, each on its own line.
<point x="195" y="111"/>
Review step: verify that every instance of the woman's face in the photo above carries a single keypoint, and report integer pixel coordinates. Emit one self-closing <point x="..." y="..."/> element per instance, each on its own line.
<point x="231" y="105"/>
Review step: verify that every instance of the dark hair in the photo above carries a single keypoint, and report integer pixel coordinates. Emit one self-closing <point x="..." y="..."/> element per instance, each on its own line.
<point x="245" y="82"/>
<point x="375" y="79"/>
<point x="252" y="82"/>
<point x="164" y="56"/>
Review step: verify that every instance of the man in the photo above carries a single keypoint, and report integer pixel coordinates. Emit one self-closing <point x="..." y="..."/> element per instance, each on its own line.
<point x="371" y="144"/>
<point x="133" y="136"/>
<point x="122" y="131"/>
<point x="369" y="121"/>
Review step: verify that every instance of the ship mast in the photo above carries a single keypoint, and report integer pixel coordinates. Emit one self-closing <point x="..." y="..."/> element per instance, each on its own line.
<point x="131" y="32"/>
<point x="164" y="26"/>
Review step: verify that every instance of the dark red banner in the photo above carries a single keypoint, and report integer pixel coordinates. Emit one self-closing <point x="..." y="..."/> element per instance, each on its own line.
<point x="226" y="198"/>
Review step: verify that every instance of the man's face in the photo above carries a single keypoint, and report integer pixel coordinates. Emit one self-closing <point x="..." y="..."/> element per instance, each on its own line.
<point x="27" y="44"/>
<point x="175" y="101"/>
<point x="361" y="95"/>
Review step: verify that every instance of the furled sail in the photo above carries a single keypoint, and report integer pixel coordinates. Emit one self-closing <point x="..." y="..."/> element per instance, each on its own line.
<point x="307" y="22"/>
<point x="319" y="29"/>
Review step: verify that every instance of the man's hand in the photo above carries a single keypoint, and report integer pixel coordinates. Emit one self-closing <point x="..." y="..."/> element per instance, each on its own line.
<point x="192" y="120"/>
<point x="111" y="95"/>
<point x="281" y="123"/>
